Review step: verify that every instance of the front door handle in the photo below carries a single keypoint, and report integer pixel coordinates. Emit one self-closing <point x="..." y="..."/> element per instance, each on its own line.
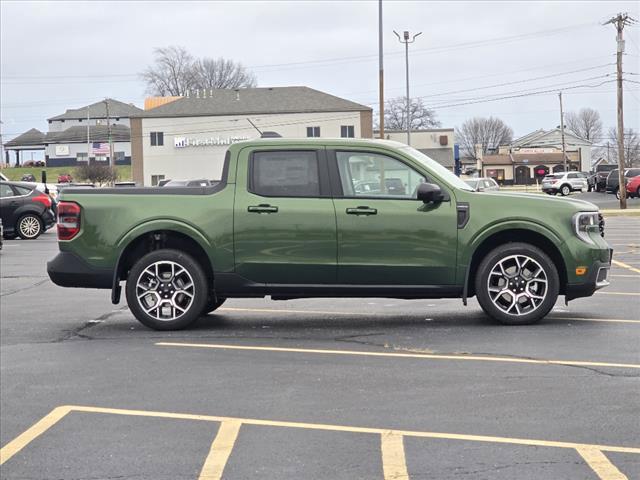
<point x="362" y="211"/>
<point x="262" y="208"/>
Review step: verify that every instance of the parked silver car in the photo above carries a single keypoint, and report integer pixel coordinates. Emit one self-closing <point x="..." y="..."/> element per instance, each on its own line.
<point x="483" y="184"/>
<point x="564" y="183"/>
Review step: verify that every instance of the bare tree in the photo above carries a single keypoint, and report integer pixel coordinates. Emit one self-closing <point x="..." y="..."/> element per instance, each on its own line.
<point x="631" y="144"/>
<point x="221" y="73"/>
<point x="175" y="72"/>
<point x="586" y="124"/>
<point x="395" y="114"/>
<point x="490" y="133"/>
<point x="97" y="173"/>
<point x="171" y="73"/>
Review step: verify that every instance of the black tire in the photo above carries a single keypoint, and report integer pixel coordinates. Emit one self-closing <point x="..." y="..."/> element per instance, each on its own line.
<point x="29" y="226"/>
<point x="618" y="194"/>
<point x="213" y="304"/>
<point x="506" y="253"/>
<point x="638" y="192"/>
<point x="193" y="281"/>
<point x="565" y="190"/>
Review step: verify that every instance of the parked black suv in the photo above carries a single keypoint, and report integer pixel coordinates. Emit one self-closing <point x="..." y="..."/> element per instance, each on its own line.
<point x="613" y="180"/>
<point x="602" y="171"/>
<point x="25" y="211"/>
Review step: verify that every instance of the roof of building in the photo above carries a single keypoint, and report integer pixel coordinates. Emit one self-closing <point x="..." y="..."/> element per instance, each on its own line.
<point x="541" y="138"/>
<point x="537" y="158"/>
<point x="245" y="101"/>
<point x="117" y="109"/>
<point x="444" y="156"/>
<point x="97" y="133"/>
<point x="28" y="138"/>
<point x="417" y="130"/>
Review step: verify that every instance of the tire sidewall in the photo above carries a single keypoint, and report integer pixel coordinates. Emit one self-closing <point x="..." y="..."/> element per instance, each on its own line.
<point x="501" y="252"/>
<point x="21" y="219"/>
<point x="213" y="303"/>
<point x="200" y="284"/>
<point x="565" y="190"/>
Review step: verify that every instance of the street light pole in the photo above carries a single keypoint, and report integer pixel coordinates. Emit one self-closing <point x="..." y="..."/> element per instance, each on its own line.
<point x="406" y="41"/>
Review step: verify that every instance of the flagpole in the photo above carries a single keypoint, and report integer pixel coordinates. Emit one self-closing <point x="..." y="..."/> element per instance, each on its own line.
<point x="88" y="142"/>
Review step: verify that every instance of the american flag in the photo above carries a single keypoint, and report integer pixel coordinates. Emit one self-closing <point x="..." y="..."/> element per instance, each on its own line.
<point x="100" y="148"/>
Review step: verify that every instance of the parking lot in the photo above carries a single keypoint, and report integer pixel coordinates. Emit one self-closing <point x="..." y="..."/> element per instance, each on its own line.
<point x="318" y="388"/>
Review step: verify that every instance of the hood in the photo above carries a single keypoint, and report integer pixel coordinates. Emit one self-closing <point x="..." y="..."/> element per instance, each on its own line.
<point x="540" y="201"/>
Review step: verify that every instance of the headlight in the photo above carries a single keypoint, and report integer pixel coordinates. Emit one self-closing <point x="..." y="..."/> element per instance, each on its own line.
<point x="583" y="222"/>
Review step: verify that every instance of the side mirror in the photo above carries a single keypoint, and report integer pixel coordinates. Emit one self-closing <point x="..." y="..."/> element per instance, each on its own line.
<point x="430" y="192"/>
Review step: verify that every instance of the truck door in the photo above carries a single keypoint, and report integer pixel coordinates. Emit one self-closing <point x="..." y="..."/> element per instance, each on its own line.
<point x="385" y="235"/>
<point x="284" y="218"/>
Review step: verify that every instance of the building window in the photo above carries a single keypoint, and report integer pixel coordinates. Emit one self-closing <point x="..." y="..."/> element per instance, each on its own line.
<point x="157" y="139"/>
<point x="347" y="131"/>
<point x="81" y="157"/>
<point x="101" y="158"/>
<point x="284" y="174"/>
<point x="313" y="131"/>
<point x="155" y="179"/>
<point x="118" y="156"/>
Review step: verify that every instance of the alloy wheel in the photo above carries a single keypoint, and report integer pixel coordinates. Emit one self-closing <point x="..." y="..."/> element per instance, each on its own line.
<point x="29" y="226"/>
<point x="517" y="285"/>
<point x="165" y="290"/>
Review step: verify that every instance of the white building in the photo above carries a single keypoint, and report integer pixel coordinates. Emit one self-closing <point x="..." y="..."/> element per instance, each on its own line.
<point x="436" y="143"/>
<point x="550" y="141"/>
<point x="187" y="137"/>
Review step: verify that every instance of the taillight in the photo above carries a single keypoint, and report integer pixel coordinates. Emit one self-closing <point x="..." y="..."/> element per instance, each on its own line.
<point x="44" y="199"/>
<point x="68" y="220"/>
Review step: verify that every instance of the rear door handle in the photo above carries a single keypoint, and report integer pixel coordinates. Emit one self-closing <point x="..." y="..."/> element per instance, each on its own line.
<point x="362" y="211"/>
<point x="262" y="208"/>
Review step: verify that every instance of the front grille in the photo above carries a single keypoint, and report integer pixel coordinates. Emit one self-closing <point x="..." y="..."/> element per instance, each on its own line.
<point x="601" y="224"/>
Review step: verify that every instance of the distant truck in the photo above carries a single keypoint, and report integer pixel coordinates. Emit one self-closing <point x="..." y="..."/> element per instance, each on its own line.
<point x="289" y="219"/>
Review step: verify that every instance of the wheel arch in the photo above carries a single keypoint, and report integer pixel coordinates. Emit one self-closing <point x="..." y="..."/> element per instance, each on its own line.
<point x="148" y="238"/>
<point x="546" y="242"/>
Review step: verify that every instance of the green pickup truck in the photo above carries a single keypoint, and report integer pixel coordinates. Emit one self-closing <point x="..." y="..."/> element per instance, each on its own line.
<point x="328" y="218"/>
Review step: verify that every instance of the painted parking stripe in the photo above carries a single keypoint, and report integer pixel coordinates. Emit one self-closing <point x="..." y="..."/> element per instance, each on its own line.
<point x="632" y="294"/>
<point x="600" y="464"/>
<point x="601" y="320"/>
<point x="392" y="449"/>
<point x="625" y="265"/>
<point x="220" y="451"/>
<point x="394" y="464"/>
<point x="425" y="356"/>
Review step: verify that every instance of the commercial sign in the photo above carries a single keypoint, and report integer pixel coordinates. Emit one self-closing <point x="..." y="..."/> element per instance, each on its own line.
<point x="62" y="150"/>
<point x="183" y="142"/>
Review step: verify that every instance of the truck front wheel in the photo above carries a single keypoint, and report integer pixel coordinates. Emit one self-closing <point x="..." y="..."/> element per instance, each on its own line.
<point x="517" y="284"/>
<point x="167" y="290"/>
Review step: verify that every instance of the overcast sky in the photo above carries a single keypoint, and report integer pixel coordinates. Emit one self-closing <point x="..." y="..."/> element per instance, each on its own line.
<point x="59" y="55"/>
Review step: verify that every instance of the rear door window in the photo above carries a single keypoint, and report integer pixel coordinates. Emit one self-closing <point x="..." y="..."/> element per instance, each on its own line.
<point x="284" y="174"/>
<point x="22" y="190"/>
<point x="6" y="191"/>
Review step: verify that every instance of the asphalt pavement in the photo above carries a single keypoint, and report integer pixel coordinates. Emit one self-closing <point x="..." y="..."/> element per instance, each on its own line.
<point x="318" y="388"/>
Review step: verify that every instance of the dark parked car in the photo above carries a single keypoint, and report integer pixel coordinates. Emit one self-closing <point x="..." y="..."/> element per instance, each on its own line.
<point x="591" y="180"/>
<point x="613" y="180"/>
<point x="602" y="172"/>
<point x="25" y="211"/>
<point x="28" y="177"/>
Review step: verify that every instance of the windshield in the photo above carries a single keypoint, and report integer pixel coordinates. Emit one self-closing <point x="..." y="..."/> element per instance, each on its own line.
<point x="472" y="183"/>
<point x="437" y="168"/>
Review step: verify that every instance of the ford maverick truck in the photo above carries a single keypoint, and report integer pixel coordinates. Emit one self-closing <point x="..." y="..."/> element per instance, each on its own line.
<point x="328" y="218"/>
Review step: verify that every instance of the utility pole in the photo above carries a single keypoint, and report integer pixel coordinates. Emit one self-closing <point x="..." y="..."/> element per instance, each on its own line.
<point x="564" y="153"/>
<point x="381" y="69"/>
<point x="406" y="42"/>
<point x="111" y="162"/>
<point x="88" y="138"/>
<point x="620" y="21"/>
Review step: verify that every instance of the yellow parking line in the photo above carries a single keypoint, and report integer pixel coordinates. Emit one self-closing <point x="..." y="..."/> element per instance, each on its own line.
<point x="632" y="294"/>
<point x="394" y="464"/>
<point x="624" y="265"/>
<point x="37" y="429"/>
<point x="604" y="320"/>
<point x="220" y="451"/>
<point x="600" y="464"/>
<point x="626" y="276"/>
<point x="401" y="355"/>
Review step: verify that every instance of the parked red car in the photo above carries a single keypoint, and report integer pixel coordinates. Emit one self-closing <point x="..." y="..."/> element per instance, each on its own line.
<point x="633" y="187"/>
<point x="65" y="178"/>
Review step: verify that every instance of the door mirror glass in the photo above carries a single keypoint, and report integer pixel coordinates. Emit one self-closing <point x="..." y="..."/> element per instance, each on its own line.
<point x="430" y="192"/>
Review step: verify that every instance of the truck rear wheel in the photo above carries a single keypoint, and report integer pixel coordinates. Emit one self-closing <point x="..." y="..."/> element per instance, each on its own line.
<point x="167" y="290"/>
<point x="517" y="284"/>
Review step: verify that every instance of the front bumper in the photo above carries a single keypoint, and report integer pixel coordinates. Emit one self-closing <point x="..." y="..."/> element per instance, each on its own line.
<point x="596" y="279"/>
<point x="69" y="270"/>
